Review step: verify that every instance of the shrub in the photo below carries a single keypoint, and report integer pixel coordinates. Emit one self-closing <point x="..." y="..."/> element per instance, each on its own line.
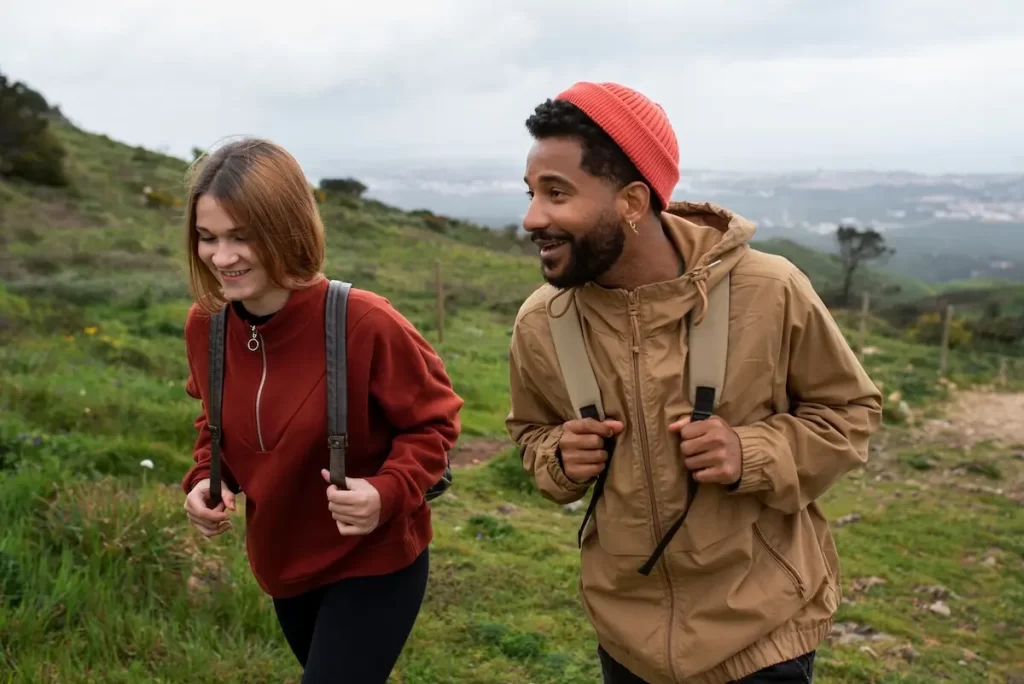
<point x="927" y="329"/>
<point x="29" y="150"/>
<point x="343" y="186"/>
<point x="160" y="199"/>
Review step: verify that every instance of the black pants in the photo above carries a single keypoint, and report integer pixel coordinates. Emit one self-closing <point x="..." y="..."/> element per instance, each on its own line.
<point x="353" y="631"/>
<point x="797" y="671"/>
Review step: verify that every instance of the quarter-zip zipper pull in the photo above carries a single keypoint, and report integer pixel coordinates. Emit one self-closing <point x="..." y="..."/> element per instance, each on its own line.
<point x="253" y="344"/>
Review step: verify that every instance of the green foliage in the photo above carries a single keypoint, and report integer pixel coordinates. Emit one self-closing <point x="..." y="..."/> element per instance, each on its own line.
<point x="826" y="273"/>
<point x="927" y="329"/>
<point x="161" y="199"/>
<point x="11" y="581"/>
<point x="102" y="580"/>
<point x="856" y="247"/>
<point x="29" y="150"/>
<point x="343" y="186"/>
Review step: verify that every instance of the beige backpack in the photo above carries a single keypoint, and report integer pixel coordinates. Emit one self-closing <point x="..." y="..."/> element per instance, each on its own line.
<point x="709" y="343"/>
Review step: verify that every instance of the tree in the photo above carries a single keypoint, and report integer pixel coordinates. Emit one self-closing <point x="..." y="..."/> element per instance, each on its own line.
<point x="344" y="186"/>
<point x="28" y="147"/>
<point x="855" y="248"/>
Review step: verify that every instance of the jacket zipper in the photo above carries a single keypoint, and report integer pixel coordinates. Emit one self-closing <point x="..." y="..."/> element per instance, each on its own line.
<point x="634" y="314"/>
<point x="783" y="563"/>
<point x="256" y="342"/>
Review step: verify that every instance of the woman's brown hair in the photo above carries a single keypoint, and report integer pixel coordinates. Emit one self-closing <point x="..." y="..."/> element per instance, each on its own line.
<point x="261" y="187"/>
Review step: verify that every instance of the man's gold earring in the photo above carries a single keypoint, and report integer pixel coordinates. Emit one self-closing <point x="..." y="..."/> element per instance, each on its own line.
<point x="633" y="226"/>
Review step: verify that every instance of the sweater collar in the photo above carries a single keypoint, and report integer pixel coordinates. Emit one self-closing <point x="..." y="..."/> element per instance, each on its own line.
<point x="303" y="308"/>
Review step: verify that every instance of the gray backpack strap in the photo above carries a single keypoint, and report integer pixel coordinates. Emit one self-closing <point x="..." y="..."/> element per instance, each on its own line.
<point x="336" y="316"/>
<point x="336" y="322"/>
<point x="216" y="391"/>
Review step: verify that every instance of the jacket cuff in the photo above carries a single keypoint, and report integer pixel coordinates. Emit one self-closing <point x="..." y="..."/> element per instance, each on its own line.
<point x="756" y="457"/>
<point x="198" y="473"/>
<point x="550" y="455"/>
<point x="194" y="475"/>
<point x="389" y="489"/>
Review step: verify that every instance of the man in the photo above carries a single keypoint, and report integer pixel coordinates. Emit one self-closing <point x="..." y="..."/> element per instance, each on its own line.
<point x="746" y="588"/>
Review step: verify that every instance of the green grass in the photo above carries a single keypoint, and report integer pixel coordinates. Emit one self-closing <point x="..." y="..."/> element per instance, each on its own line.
<point x="102" y="580"/>
<point x="104" y="572"/>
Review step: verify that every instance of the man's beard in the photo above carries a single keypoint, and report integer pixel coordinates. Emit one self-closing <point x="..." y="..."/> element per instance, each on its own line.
<point x="590" y="256"/>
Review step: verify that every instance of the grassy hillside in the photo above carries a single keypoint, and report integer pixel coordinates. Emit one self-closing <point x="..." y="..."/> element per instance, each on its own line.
<point x="101" y="580"/>
<point x="825" y="272"/>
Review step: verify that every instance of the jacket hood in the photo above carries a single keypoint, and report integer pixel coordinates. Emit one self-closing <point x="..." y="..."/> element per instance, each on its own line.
<point x="711" y="240"/>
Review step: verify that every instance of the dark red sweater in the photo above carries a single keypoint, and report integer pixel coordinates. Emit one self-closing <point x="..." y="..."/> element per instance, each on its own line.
<point x="403" y="416"/>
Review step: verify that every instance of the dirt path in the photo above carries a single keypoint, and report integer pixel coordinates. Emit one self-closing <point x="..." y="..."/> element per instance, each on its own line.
<point x="978" y="416"/>
<point x="476" y="451"/>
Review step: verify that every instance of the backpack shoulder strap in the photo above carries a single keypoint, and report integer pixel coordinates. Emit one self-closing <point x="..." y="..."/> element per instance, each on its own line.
<point x="584" y="393"/>
<point x="577" y="373"/>
<point x="708" y="348"/>
<point x="216" y="390"/>
<point x="336" y="321"/>
<point x="709" y="344"/>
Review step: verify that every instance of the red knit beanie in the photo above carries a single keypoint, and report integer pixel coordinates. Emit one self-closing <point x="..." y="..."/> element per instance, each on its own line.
<point x="639" y="126"/>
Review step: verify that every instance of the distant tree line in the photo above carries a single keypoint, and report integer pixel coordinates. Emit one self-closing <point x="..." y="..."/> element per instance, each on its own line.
<point x="988" y="323"/>
<point x="29" y="149"/>
<point x="343" y="186"/>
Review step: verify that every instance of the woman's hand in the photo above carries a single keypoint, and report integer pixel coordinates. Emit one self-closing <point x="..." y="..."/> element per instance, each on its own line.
<point x="209" y="521"/>
<point x="355" y="510"/>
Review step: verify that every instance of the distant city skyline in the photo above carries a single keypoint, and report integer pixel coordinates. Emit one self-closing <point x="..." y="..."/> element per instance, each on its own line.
<point x="755" y="85"/>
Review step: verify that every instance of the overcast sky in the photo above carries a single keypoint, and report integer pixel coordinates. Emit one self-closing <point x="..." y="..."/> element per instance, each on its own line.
<point x="924" y="85"/>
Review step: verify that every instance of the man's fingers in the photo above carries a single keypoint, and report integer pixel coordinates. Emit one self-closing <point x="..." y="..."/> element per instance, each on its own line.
<point x="584" y="472"/>
<point x="583" y="426"/>
<point x="716" y="475"/>
<point x="711" y="460"/>
<point x="585" y="456"/>
<point x="696" y="428"/>
<point x="614" y="425"/>
<point x="699" y="444"/>
<point x="587" y="441"/>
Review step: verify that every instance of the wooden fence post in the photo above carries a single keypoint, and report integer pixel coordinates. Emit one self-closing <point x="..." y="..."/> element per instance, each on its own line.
<point x="440" y="302"/>
<point x="944" y="353"/>
<point x="865" y="308"/>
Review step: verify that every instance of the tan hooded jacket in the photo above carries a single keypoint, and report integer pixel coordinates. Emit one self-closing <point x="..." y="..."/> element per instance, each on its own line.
<point x="752" y="577"/>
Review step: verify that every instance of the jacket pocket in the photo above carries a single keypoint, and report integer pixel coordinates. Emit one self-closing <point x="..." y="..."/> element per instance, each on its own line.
<point x="714" y="517"/>
<point x="780" y="560"/>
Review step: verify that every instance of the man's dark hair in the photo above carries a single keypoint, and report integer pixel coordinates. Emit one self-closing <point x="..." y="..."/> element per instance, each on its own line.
<point x="602" y="157"/>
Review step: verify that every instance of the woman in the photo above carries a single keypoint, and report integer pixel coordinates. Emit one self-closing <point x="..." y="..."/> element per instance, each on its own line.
<point x="346" y="568"/>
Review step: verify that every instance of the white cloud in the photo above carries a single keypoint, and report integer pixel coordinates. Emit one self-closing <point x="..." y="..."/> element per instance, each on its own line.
<point x="748" y="83"/>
